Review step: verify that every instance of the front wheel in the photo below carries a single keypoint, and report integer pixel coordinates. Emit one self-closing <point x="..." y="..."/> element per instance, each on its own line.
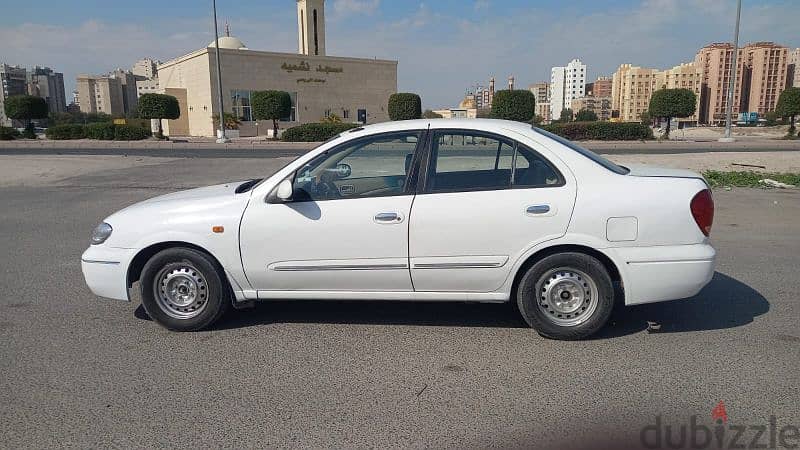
<point x="182" y="290"/>
<point x="566" y="296"/>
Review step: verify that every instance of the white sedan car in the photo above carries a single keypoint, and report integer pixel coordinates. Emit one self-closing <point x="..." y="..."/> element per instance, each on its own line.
<point x="421" y="210"/>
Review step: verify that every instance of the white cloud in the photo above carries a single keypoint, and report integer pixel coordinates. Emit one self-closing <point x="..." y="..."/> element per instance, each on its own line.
<point x="481" y="5"/>
<point x="345" y="8"/>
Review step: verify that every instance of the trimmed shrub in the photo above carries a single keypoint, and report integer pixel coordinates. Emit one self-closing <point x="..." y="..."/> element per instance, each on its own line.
<point x="159" y="106"/>
<point x="66" y="131"/>
<point x="8" y="133"/>
<point x="601" y="131"/>
<point x="103" y="131"/>
<point x="514" y="105"/>
<point x="405" y="106"/>
<point x="669" y="103"/>
<point x="316" y="132"/>
<point x="586" y="115"/>
<point x="271" y="105"/>
<point x="130" y="133"/>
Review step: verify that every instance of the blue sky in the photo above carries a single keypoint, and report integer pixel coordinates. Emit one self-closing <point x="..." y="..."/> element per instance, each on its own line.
<point x="442" y="46"/>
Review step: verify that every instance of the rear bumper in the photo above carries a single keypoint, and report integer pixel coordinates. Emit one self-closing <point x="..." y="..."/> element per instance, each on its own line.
<point x="106" y="271"/>
<point x="656" y="274"/>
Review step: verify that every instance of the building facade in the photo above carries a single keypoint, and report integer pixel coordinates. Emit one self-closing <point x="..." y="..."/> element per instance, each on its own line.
<point x="45" y="83"/>
<point x="541" y="91"/>
<point x="684" y="76"/>
<point x="600" y="87"/>
<point x="100" y="94"/>
<point x="146" y="68"/>
<point x="355" y="89"/>
<point x="762" y="70"/>
<point x="566" y="84"/>
<point x="631" y="89"/>
<point x="793" y="70"/>
<point x="601" y="106"/>
<point x="13" y="81"/>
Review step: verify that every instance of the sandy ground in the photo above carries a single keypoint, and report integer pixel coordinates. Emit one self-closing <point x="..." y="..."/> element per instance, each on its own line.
<point x="34" y="170"/>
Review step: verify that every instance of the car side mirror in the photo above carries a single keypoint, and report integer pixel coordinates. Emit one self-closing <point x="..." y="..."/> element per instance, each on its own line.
<point x="284" y="191"/>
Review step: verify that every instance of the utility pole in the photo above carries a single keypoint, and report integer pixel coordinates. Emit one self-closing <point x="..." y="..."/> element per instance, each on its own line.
<point x="732" y="84"/>
<point x="221" y="138"/>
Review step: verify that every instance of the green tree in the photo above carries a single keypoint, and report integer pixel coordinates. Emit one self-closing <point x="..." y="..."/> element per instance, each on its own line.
<point x="405" y="106"/>
<point x="26" y="108"/>
<point x="159" y="106"/>
<point x="669" y="103"/>
<point x="586" y="115"/>
<point x="789" y="106"/>
<point x="645" y="118"/>
<point x="566" y="115"/>
<point x="538" y="120"/>
<point x="271" y="105"/>
<point x="428" y="114"/>
<point x="516" y="105"/>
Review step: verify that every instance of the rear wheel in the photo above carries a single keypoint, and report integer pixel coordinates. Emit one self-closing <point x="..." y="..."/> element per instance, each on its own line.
<point x="182" y="289"/>
<point x="566" y="296"/>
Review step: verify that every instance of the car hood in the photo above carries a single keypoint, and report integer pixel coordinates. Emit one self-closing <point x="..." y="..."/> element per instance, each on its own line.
<point x="641" y="170"/>
<point x="208" y="192"/>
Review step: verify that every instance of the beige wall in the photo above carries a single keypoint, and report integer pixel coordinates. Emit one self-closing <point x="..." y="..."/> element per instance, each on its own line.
<point x="684" y="76"/>
<point x="631" y="90"/>
<point x="100" y="94"/>
<point x="361" y="84"/>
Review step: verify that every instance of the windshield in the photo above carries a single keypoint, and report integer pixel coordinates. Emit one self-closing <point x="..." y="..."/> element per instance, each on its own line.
<point x="587" y="153"/>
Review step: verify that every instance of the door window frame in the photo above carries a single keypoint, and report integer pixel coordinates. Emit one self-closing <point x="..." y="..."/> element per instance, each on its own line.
<point x="412" y="178"/>
<point x="426" y="173"/>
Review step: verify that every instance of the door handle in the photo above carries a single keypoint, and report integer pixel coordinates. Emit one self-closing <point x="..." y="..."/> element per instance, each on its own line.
<point x="538" y="209"/>
<point x="388" y="217"/>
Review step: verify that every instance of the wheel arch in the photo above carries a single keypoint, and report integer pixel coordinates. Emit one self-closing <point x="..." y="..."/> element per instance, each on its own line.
<point x="611" y="267"/>
<point x="138" y="262"/>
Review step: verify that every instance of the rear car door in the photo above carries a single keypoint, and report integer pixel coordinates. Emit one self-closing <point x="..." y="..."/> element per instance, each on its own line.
<point x="485" y="199"/>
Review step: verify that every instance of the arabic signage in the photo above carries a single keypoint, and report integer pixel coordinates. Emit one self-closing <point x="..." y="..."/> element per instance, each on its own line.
<point x="303" y="66"/>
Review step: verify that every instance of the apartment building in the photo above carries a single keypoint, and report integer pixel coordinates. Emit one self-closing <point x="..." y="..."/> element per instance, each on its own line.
<point x="566" y="83"/>
<point x="762" y="73"/>
<point x="13" y="81"/>
<point x="599" y="105"/>
<point x="541" y="91"/>
<point x="631" y="89"/>
<point x="599" y="88"/>
<point x="45" y="83"/>
<point x="793" y="69"/>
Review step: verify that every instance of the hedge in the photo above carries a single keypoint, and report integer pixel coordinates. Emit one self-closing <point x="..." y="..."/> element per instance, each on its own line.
<point x="8" y="133"/>
<point x="316" y="132"/>
<point x="516" y="105"/>
<point x="100" y="131"/>
<point x="64" y="132"/>
<point x="601" y="131"/>
<point x="130" y="133"/>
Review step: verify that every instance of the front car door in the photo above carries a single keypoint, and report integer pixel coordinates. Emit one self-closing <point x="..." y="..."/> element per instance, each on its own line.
<point x="346" y="227"/>
<point x="485" y="200"/>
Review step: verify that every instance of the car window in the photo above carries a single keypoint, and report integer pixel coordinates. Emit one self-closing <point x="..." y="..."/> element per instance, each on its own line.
<point x="367" y="167"/>
<point x="532" y="170"/>
<point x="467" y="160"/>
<point x="621" y="170"/>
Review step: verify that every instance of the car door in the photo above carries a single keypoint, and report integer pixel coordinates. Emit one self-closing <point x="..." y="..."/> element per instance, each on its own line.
<point x="346" y="226"/>
<point x="485" y="200"/>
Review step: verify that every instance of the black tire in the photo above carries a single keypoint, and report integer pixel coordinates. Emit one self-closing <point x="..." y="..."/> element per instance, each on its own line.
<point x="211" y="293"/>
<point x="580" y="272"/>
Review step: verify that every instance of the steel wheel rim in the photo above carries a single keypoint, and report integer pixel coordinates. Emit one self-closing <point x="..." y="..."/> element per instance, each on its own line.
<point x="567" y="297"/>
<point x="181" y="291"/>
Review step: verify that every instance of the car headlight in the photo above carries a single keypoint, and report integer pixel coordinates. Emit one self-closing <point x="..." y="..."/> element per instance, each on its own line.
<point x="101" y="233"/>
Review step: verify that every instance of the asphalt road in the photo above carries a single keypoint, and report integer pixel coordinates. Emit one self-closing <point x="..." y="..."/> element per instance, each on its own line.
<point x="79" y="371"/>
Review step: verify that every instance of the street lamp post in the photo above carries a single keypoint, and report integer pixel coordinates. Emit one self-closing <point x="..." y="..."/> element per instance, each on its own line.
<point x="221" y="139"/>
<point x="732" y="83"/>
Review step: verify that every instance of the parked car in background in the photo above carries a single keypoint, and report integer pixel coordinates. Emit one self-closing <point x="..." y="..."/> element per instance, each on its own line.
<point x="421" y="210"/>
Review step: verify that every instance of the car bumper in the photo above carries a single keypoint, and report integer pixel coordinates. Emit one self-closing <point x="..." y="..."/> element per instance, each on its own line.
<point x="106" y="271"/>
<point x="656" y="274"/>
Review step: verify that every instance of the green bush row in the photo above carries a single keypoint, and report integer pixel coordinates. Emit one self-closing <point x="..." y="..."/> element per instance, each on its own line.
<point x="100" y="131"/>
<point x="316" y="132"/>
<point x="601" y="131"/>
<point x="8" y="133"/>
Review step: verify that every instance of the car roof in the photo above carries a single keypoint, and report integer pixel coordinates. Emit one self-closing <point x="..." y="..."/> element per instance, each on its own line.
<point x="477" y="124"/>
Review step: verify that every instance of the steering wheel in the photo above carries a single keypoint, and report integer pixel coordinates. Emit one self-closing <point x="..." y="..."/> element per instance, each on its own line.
<point x="324" y="187"/>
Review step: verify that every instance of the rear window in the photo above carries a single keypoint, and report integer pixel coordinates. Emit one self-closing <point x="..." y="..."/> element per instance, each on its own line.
<point x="587" y="153"/>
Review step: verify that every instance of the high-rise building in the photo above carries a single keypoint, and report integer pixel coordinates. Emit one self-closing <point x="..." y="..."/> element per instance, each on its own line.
<point x="311" y="27"/>
<point x="13" y="81"/>
<point x="600" y="88"/>
<point x="631" y="89"/>
<point x="566" y="83"/>
<point x="684" y="76"/>
<point x="45" y="83"/>
<point x="114" y="93"/>
<point x="762" y="69"/>
<point x="793" y="69"/>
<point x="541" y="91"/>
<point x="145" y="67"/>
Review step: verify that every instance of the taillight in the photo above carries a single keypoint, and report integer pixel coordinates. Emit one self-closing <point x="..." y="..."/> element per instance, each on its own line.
<point x="702" y="207"/>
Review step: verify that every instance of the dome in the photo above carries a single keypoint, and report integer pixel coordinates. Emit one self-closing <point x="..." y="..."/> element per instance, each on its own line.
<point x="229" y="42"/>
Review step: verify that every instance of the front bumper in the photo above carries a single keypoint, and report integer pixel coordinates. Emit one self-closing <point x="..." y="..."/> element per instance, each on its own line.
<point x="656" y="274"/>
<point x="105" y="270"/>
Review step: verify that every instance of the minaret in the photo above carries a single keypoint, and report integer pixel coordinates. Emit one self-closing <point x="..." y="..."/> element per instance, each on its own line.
<point x="491" y="91"/>
<point x="311" y="27"/>
<point x="511" y="83"/>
